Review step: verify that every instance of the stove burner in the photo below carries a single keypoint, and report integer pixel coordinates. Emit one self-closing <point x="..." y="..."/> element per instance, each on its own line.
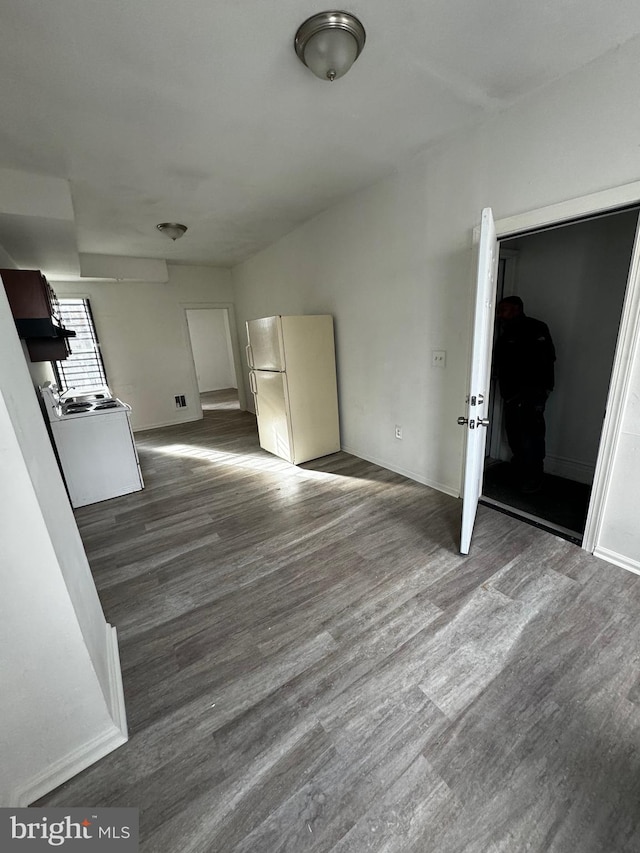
<point x="74" y="408"/>
<point x="108" y="404"/>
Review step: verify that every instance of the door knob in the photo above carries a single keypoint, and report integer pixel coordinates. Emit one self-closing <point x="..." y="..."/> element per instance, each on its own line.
<point x="482" y="421"/>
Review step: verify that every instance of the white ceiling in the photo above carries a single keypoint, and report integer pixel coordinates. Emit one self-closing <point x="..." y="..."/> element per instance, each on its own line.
<point x="200" y="112"/>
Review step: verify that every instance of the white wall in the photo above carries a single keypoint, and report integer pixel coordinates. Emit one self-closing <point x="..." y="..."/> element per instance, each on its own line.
<point x="209" y="333"/>
<point x="61" y="693"/>
<point x="144" y="338"/>
<point x="574" y="278"/>
<point x="394" y="265"/>
<point x="367" y="262"/>
<point x="6" y="261"/>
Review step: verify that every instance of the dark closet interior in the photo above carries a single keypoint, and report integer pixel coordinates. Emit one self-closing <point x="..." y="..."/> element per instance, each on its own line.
<point x="574" y="278"/>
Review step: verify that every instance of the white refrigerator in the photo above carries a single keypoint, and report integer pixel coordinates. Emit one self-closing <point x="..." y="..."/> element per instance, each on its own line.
<point x="292" y="375"/>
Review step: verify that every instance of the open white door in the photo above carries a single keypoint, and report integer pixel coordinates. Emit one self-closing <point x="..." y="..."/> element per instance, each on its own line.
<point x="476" y="419"/>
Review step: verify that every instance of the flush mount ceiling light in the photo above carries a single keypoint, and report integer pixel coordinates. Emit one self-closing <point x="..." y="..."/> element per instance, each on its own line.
<point x="329" y="43"/>
<point x="173" y="230"/>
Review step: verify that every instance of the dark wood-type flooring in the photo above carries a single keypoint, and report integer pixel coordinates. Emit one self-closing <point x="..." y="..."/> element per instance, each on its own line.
<point x="310" y="665"/>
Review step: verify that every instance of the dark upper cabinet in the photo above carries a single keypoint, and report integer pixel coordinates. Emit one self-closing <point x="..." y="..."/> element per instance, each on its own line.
<point x="35" y="310"/>
<point x="29" y="294"/>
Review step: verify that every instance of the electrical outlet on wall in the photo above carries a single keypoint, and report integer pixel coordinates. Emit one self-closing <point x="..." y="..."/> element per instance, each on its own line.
<point x="398" y="431"/>
<point x="438" y="358"/>
<point x="181" y="401"/>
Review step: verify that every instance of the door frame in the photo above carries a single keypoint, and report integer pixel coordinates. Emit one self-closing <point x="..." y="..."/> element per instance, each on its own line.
<point x="235" y="344"/>
<point x="552" y="216"/>
<point x="496" y="442"/>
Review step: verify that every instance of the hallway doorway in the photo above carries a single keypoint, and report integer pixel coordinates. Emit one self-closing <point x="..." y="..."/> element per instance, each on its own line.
<point x="212" y="348"/>
<point x="226" y="399"/>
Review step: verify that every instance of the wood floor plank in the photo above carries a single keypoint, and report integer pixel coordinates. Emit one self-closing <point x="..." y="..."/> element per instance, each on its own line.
<point x="310" y="664"/>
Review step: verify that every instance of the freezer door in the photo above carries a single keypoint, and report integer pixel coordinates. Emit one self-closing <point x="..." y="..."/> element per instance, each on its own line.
<point x="272" y="410"/>
<point x="265" y="350"/>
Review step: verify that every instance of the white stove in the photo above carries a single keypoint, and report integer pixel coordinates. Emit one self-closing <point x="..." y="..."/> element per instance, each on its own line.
<point x="94" y="440"/>
<point x="62" y="406"/>
<point x="80" y="410"/>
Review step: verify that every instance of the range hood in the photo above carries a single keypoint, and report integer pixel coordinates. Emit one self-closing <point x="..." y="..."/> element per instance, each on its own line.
<point x="42" y="327"/>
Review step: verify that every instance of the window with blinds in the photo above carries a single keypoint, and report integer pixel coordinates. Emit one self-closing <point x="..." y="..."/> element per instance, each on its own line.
<point x="83" y="369"/>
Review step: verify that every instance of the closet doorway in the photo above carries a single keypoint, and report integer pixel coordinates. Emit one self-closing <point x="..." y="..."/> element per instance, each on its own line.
<point x="574" y="278"/>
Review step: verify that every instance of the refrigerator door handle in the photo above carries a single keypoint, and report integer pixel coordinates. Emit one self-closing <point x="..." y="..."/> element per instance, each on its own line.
<point x="250" y="357"/>
<point x="253" y="385"/>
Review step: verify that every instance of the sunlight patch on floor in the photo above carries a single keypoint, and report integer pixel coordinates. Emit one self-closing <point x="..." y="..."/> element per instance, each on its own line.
<point x="260" y="462"/>
<point x="217" y="457"/>
<point x="244" y="460"/>
<point x="209" y="407"/>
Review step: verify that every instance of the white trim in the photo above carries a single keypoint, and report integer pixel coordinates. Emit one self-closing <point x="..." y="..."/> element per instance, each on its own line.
<point x="623" y="362"/>
<point x="564" y="211"/>
<point x="87" y="754"/>
<point x="618" y="560"/>
<point x="70" y="765"/>
<point x="628" y="337"/>
<point x="498" y="445"/>
<point x="229" y="307"/>
<point x="144" y="427"/>
<point x="410" y="475"/>
<point x="510" y="257"/>
<point x="115" y="700"/>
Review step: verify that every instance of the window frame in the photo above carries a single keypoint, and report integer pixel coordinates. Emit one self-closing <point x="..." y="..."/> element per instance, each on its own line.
<point x="85" y="331"/>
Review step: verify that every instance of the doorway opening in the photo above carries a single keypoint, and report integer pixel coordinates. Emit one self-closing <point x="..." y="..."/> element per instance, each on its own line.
<point x="574" y="278"/>
<point x="213" y="357"/>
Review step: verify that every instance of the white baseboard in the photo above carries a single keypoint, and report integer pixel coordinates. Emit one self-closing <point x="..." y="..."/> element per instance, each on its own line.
<point x="88" y="753"/>
<point x="411" y="475"/>
<point x="115" y="700"/>
<point x="70" y="765"/>
<point x="143" y="427"/>
<point x="618" y="560"/>
<point x="571" y="469"/>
